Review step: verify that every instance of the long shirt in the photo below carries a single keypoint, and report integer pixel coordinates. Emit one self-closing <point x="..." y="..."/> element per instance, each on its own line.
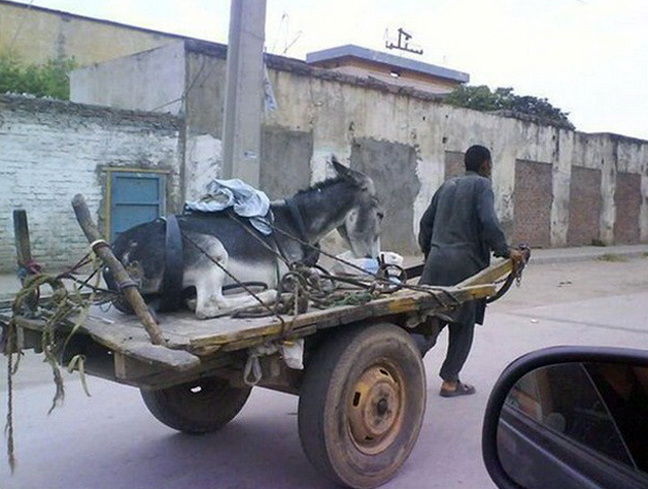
<point x="457" y="233"/>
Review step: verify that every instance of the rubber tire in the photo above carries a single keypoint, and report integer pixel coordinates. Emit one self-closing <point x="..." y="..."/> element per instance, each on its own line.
<point x="329" y="379"/>
<point x="209" y="409"/>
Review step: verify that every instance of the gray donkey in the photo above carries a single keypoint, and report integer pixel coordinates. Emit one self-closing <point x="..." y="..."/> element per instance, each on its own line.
<point x="219" y="246"/>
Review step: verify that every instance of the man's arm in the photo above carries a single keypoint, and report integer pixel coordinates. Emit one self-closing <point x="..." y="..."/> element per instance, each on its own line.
<point x="492" y="231"/>
<point x="426" y="226"/>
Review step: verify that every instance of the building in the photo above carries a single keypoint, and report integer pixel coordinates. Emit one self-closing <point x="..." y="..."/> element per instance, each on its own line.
<point x="366" y="63"/>
<point x="38" y="34"/>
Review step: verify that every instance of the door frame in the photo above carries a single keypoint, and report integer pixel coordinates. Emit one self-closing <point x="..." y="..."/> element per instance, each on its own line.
<point x="108" y="201"/>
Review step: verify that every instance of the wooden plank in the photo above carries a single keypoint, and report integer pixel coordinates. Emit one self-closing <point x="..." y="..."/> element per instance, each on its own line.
<point x="404" y="301"/>
<point x="129" y="341"/>
<point x="184" y="331"/>
<point x="489" y="275"/>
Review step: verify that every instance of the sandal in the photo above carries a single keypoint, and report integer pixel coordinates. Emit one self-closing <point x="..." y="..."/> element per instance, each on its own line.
<point x="461" y="390"/>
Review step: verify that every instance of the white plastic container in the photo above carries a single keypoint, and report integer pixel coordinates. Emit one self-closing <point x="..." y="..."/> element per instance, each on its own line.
<point x="369" y="265"/>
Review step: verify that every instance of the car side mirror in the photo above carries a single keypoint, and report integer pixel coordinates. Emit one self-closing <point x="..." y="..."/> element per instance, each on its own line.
<point x="569" y="417"/>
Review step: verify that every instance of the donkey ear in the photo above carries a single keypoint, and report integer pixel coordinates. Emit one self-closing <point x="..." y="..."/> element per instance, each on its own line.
<point x="340" y="169"/>
<point x="347" y="173"/>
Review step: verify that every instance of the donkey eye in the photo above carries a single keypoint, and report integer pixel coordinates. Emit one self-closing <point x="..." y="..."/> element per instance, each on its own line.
<point x="380" y="215"/>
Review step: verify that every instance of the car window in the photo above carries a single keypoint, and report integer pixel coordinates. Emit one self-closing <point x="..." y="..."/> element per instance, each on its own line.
<point x="624" y="390"/>
<point x="564" y="398"/>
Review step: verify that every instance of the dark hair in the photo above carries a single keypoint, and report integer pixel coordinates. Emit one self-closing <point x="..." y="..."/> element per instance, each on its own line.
<point x="475" y="156"/>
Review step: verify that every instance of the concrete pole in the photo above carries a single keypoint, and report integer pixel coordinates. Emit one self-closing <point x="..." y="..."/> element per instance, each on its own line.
<point x="244" y="92"/>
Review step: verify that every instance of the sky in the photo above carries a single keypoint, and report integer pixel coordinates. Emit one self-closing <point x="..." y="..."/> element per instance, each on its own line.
<point x="587" y="57"/>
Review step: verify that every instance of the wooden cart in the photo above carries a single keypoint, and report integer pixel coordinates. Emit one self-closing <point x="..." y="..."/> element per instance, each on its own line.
<point x="362" y="388"/>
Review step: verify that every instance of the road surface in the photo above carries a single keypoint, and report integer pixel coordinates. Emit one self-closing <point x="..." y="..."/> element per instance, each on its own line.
<point x="110" y="440"/>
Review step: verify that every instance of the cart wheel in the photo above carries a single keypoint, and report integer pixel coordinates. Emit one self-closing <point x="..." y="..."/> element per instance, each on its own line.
<point x="201" y="406"/>
<point x="361" y="405"/>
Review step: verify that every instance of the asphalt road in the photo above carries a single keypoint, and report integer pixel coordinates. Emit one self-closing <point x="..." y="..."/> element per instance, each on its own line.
<point x="110" y="440"/>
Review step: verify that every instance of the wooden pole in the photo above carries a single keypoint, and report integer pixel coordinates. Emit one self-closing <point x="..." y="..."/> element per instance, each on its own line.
<point x="243" y="110"/>
<point x="126" y="285"/>
<point x="21" y="234"/>
<point x="24" y="257"/>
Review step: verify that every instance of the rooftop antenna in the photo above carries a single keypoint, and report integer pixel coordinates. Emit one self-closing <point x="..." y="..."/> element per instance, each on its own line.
<point x="291" y="43"/>
<point x="403" y="43"/>
<point x="284" y="31"/>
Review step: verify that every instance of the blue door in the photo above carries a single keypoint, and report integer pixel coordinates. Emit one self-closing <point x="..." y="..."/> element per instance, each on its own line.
<point x="135" y="198"/>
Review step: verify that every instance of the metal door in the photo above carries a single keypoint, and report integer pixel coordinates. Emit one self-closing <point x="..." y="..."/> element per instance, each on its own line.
<point x="135" y="198"/>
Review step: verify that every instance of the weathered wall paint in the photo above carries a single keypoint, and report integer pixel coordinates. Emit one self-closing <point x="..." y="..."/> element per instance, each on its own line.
<point x="387" y="163"/>
<point x="203" y="160"/>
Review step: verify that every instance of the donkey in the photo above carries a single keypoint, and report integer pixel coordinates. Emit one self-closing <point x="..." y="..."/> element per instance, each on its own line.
<point x="219" y="246"/>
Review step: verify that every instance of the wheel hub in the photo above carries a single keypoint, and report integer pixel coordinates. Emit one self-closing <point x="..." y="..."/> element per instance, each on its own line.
<point x="376" y="409"/>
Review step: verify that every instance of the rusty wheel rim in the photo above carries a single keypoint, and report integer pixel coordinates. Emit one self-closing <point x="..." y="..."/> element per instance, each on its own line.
<point x="376" y="408"/>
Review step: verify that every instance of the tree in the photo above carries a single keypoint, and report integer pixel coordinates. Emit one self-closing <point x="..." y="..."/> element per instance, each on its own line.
<point x="503" y="100"/>
<point x="51" y="79"/>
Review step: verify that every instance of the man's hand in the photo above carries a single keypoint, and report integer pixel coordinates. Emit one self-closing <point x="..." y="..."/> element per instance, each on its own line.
<point x="517" y="256"/>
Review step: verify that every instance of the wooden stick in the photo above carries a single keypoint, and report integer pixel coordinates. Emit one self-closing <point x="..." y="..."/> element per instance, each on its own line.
<point x="24" y="256"/>
<point x="21" y="234"/>
<point x="126" y="285"/>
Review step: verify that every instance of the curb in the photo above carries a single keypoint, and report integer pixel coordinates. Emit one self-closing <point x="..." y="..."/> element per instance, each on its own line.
<point x="544" y="257"/>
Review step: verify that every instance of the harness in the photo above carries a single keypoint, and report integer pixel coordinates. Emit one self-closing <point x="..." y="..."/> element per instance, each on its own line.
<point x="173" y="266"/>
<point x="297" y="216"/>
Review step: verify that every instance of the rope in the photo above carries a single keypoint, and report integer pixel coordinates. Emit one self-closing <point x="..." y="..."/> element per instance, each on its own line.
<point x="11" y="371"/>
<point x="59" y="307"/>
<point x="382" y="279"/>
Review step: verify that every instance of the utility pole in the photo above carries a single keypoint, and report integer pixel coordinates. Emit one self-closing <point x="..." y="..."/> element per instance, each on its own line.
<point x="244" y="92"/>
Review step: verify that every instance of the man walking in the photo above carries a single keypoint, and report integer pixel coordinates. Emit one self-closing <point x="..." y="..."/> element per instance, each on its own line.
<point x="458" y="231"/>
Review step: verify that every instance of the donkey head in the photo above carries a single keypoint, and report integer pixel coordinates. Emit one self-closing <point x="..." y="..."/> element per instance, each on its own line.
<point x="362" y="225"/>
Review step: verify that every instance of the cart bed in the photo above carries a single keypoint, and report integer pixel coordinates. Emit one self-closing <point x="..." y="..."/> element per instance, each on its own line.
<point x="194" y="344"/>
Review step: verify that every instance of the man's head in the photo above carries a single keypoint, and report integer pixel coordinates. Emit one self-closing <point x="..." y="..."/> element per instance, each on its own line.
<point x="478" y="159"/>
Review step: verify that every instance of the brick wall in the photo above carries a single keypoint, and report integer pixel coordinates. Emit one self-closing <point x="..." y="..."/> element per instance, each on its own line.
<point x="627" y="201"/>
<point x="532" y="203"/>
<point x="584" y="206"/>
<point x="52" y="150"/>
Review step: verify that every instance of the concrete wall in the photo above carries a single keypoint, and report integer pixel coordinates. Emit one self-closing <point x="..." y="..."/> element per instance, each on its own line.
<point x="53" y="150"/>
<point x="125" y="83"/>
<point x="387" y="163"/>
<point x="37" y="34"/>
<point x="409" y="142"/>
<point x="339" y="113"/>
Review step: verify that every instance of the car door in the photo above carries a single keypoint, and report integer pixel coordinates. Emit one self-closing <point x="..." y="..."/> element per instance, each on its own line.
<point x="558" y="429"/>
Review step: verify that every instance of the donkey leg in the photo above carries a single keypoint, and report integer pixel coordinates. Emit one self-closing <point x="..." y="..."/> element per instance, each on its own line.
<point x="204" y="270"/>
<point x="215" y="304"/>
<point x="208" y="278"/>
<point x="231" y="304"/>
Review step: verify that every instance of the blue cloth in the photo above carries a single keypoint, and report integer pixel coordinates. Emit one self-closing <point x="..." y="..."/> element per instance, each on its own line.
<point x="246" y="201"/>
